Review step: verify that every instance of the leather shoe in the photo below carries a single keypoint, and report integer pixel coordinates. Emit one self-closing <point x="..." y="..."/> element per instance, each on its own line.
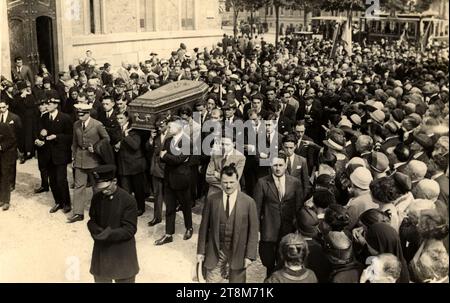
<point x="164" y="240"/>
<point x="67" y="209"/>
<point x="76" y="218"/>
<point x="40" y="190"/>
<point x="22" y="160"/>
<point x="5" y="207"/>
<point x="55" y="208"/>
<point x="140" y="212"/>
<point x="154" y="222"/>
<point x="188" y="234"/>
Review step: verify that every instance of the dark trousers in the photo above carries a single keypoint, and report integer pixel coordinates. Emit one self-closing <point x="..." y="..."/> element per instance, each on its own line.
<point x="250" y="177"/>
<point x="98" y="279"/>
<point x="173" y="198"/>
<point x="5" y="181"/>
<point x="268" y="252"/>
<point x="135" y="184"/>
<point x="44" y="178"/>
<point x="202" y="185"/>
<point x="58" y="184"/>
<point x="13" y="175"/>
<point x="158" y="189"/>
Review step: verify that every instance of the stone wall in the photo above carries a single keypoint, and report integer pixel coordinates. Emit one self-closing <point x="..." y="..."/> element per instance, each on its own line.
<point x="121" y="16"/>
<point x="75" y="14"/>
<point x="168" y="15"/>
<point x="208" y="16"/>
<point x="5" y="60"/>
<point x="120" y="39"/>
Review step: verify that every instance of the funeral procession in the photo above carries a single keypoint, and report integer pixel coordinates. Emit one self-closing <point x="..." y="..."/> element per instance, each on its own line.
<point x="224" y="141"/>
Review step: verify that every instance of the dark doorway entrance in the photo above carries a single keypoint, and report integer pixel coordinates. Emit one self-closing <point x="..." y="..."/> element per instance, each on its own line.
<point x="32" y="32"/>
<point x="44" y="35"/>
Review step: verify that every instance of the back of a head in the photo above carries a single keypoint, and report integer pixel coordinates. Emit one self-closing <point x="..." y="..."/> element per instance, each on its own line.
<point x="374" y="215"/>
<point x="392" y="266"/>
<point x="336" y="217"/>
<point x="293" y="248"/>
<point x="338" y="247"/>
<point x="427" y="189"/>
<point x="323" y="198"/>
<point x="432" y="225"/>
<point x="364" y="144"/>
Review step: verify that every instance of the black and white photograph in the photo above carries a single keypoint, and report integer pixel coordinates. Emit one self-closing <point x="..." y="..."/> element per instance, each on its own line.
<point x="196" y="142"/>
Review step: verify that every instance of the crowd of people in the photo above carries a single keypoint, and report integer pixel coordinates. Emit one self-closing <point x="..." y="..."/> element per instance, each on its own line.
<point x="356" y="190"/>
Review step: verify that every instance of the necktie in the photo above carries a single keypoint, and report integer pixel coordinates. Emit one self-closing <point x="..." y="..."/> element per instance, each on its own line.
<point x="289" y="164"/>
<point x="1" y="118"/>
<point x="51" y="118"/>
<point x="227" y="208"/>
<point x="280" y="189"/>
<point x="224" y="160"/>
<point x="84" y="125"/>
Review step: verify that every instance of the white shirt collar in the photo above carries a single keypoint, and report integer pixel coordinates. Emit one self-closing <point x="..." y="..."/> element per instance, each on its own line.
<point x="437" y="175"/>
<point x="233" y="199"/>
<point x="54" y="114"/>
<point x="86" y="123"/>
<point x="282" y="178"/>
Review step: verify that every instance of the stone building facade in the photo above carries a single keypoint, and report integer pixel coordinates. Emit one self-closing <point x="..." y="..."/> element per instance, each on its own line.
<point x="58" y="32"/>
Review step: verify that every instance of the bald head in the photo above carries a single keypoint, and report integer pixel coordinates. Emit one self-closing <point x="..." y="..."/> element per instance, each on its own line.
<point x="427" y="189"/>
<point x="418" y="170"/>
<point x="364" y="144"/>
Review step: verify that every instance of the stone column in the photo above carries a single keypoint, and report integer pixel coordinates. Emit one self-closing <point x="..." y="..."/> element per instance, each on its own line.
<point x="65" y="13"/>
<point x="5" y="55"/>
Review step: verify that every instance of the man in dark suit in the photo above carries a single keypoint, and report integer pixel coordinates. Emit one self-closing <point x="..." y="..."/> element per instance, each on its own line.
<point x="13" y="121"/>
<point x="131" y="162"/>
<point x="108" y="117"/>
<point x="296" y="165"/>
<point x="21" y="72"/>
<point x="288" y="111"/>
<point x="154" y="145"/>
<point x="56" y="132"/>
<point x="305" y="146"/>
<point x="177" y="179"/>
<point x="251" y="137"/>
<point x="43" y="155"/>
<point x="112" y="224"/>
<point x="278" y="197"/>
<point x="228" y="235"/>
<point x="312" y="113"/>
<point x="8" y="154"/>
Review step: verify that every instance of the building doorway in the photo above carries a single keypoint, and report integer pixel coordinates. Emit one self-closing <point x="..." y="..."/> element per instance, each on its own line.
<point x="45" y="47"/>
<point x="32" y="32"/>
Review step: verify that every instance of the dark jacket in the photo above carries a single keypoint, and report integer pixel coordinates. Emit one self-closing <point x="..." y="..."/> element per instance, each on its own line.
<point x="245" y="231"/>
<point x="113" y="224"/>
<point x="156" y="166"/>
<point x="130" y="157"/>
<point x="8" y="145"/>
<point x="277" y="218"/>
<point x="177" y="173"/>
<point x="346" y="273"/>
<point x="59" y="148"/>
<point x="111" y="125"/>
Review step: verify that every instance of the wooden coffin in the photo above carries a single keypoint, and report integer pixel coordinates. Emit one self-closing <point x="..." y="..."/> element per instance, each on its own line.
<point x="168" y="98"/>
